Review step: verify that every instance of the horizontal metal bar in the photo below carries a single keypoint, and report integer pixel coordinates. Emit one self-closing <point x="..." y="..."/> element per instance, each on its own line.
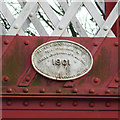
<point x="81" y="97"/>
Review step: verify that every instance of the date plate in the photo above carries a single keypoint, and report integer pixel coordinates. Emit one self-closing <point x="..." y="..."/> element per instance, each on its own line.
<point x="62" y="60"/>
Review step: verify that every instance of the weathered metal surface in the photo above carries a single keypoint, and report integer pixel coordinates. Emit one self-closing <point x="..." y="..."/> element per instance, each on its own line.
<point x="25" y="89"/>
<point x="19" y="74"/>
<point x="62" y="60"/>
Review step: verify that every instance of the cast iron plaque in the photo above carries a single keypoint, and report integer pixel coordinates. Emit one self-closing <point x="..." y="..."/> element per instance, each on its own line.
<point x="62" y="60"/>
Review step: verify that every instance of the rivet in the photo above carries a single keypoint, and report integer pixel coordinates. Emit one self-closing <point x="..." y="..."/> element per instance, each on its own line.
<point x="31" y="14"/>
<point x="25" y="103"/>
<point x="58" y="91"/>
<point x="107" y="91"/>
<point x="91" y="91"/>
<point x="116" y="44"/>
<point x="25" y="90"/>
<point x="117" y="80"/>
<point x="75" y="103"/>
<point x="96" y="80"/>
<point x="26" y="42"/>
<point x="91" y="104"/>
<point x="105" y="28"/>
<point x="75" y="90"/>
<point x="60" y="27"/>
<point x="16" y="26"/>
<point x="6" y="78"/>
<point x="42" y="90"/>
<point x="42" y="104"/>
<point x="59" y="104"/>
<point x="95" y="43"/>
<point x="9" y="102"/>
<point x="9" y="90"/>
<point x="6" y="42"/>
<point x="27" y="78"/>
<point x="107" y="104"/>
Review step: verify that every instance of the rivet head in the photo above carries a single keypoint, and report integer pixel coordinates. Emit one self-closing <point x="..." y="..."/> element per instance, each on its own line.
<point x="25" y="90"/>
<point x="75" y="90"/>
<point x="75" y="103"/>
<point x="9" y="102"/>
<point x="105" y="28"/>
<point x="42" y="104"/>
<point x="107" y="104"/>
<point x="6" y="42"/>
<point x="95" y="43"/>
<point x="42" y="90"/>
<point x="16" y="26"/>
<point x="59" y="104"/>
<point x="107" y="91"/>
<point x="31" y="14"/>
<point x="116" y="44"/>
<point x="9" y="90"/>
<point x="91" y="91"/>
<point x="58" y="91"/>
<point x="91" y="104"/>
<point x="27" y="78"/>
<point x="117" y="80"/>
<point x="60" y="27"/>
<point x="26" y="103"/>
<point x="26" y="42"/>
<point x="6" y="78"/>
<point x="96" y="80"/>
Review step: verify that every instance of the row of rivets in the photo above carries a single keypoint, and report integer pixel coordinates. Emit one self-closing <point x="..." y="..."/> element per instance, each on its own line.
<point x="59" y="104"/>
<point x="6" y="42"/>
<point x="25" y="90"/>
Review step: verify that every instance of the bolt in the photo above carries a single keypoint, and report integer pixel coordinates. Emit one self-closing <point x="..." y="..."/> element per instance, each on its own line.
<point x="16" y="26"/>
<point x="91" y="91"/>
<point x="105" y="28"/>
<point x="75" y="103"/>
<point x="117" y="80"/>
<point x="9" y="102"/>
<point x="26" y="42"/>
<point x="107" y="104"/>
<point x="58" y="91"/>
<point x="107" y="92"/>
<point x="25" y="103"/>
<point x="6" y="78"/>
<point x="42" y="90"/>
<point x="42" y="104"/>
<point x="59" y="104"/>
<point x="116" y="44"/>
<point x="25" y="90"/>
<point x="27" y="78"/>
<point x="95" y="43"/>
<point x="75" y="90"/>
<point x="91" y="104"/>
<point x="9" y="90"/>
<point x="6" y="42"/>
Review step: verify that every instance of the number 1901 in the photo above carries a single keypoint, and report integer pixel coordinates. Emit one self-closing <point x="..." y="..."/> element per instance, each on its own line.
<point x="59" y="62"/>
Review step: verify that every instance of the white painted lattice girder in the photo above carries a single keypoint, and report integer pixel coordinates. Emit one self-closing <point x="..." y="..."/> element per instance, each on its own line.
<point x="16" y="26"/>
<point x="74" y="20"/>
<point x="7" y="14"/>
<point x="29" y="10"/>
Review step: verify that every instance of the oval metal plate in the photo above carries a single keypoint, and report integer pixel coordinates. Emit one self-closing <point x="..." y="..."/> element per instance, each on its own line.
<point x="62" y="60"/>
